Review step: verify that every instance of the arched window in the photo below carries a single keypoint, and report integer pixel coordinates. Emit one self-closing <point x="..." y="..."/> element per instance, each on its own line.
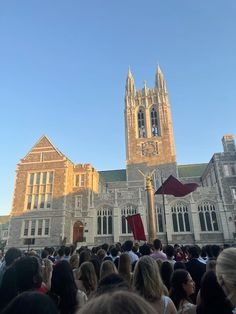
<point x="141" y="124"/>
<point x="180" y="218"/>
<point x="127" y="211"/>
<point x="207" y="217"/>
<point x="159" y="214"/>
<point x="154" y="123"/>
<point x="104" y="221"/>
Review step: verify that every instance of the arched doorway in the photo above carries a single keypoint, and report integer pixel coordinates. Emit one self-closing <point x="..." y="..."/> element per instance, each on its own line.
<point x="78" y="232"/>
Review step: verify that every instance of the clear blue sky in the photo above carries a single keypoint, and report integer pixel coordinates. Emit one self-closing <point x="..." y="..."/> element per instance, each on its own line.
<point x="63" y="66"/>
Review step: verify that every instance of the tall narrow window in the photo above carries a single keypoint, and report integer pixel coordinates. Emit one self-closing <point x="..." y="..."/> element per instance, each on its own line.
<point x="26" y="227"/>
<point x="207" y="217"/>
<point x="39" y="186"/>
<point x="104" y="221"/>
<point x="126" y="211"/>
<point x="180" y="218"/>
<point x="154" y="122"/>
<point x="159" y="215"/>
<point x="141" y="124"/>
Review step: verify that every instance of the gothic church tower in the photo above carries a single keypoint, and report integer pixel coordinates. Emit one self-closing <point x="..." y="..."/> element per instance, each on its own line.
<point x="148" y="124"/>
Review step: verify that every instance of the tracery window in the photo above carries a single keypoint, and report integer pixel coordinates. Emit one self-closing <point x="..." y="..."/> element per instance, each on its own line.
<point x="160" y="218"/>
<point x="126" y="211"/>
<point x="154" y="122"/>
<point x="36" y="228"/>
<point x="141" y="124"/>
<point x="207" y="217"/>
<point x="180" y="218"/>
<point x="104" y="221"/>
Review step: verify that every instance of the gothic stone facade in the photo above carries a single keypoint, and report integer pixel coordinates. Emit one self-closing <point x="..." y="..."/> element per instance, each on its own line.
<point x="57" y="202"/>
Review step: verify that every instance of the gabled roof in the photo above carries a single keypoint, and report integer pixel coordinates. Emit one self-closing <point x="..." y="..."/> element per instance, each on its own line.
<point x="113" y="175"/>
<point x="192" y="170"/>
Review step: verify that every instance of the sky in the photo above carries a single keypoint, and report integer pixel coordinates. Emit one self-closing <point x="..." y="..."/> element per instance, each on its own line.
<point x="63" y="67"/>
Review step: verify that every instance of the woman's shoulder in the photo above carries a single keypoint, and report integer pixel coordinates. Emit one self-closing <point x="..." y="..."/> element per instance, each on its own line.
<point x="187" y="308"/>
<point x="81" y="297"/>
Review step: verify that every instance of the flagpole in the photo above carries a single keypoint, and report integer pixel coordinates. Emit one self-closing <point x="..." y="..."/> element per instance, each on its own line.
<point x="164" y="208"/>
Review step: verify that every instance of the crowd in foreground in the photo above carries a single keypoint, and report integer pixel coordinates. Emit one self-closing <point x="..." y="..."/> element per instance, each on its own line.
<point x="119" y="279"/>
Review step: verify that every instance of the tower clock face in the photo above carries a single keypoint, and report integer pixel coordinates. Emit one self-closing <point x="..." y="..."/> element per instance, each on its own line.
<point x="149" y="149"/>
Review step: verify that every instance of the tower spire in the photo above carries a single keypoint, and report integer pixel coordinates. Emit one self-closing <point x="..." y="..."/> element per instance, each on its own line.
<point x="160" y="81"/>
<point x="130" y="87"/>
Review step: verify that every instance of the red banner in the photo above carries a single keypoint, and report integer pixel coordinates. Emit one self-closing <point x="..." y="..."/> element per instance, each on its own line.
<point x="172" y="186"/>
<point x="136" y="225"/>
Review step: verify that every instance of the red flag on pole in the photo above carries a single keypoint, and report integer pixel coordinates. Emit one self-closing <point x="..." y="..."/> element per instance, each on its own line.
<point x="172" y="186"/>
<point x="136" y="225"/>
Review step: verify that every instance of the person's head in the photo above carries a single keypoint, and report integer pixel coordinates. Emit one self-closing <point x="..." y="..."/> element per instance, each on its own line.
<point x="124" y="267"/>
<point x="88" y="276"/>
<point x="170" y="251"/>
<point x="31" y="302"/>
<point x="145" y="249"/>
<point x="147" y="280"/>
<point x="166" y="272"/>
<point x="96" y="265"/>
<point x="11" y="255"/>
<point x="212" y="297"/>
<point x="226" y="273"/>
<point x="74" y="261"/>
<point x="181" y="286"/>
<point x="64" y="286"/>
<point x="28" y="273"/>
<point x="84" y="256"/>
<point x="215" y="250"/>
<point x="128" y="245"/>
<point x="67" y="251"/>
<point x="44" y="253"/>
<point x="119" y="302"/>
<point x="179" y="265"/>
<point x="61" y="252"/>
<point x="114" y="252"/>
<point x="105" y="247"/>
<point x="107" y="268"/>
<point x="157" y="244"/>
<point x="101" y="254"/>
<point x="193" y="251"/>
<point x="209" y="250"/>
<point x="111" y="283"/>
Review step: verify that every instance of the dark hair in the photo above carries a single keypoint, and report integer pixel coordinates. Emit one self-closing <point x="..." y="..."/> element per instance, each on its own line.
<point x="67" y="251"/>
<point x="166" y="272"/>
<point x="84" y="256"/>
<point x="212" y="297"/>
<point x="170" y="251"/>
<point x="114" y="252"/>
<point x="177" y="292"/>
<point x="111" y="283"/>
<point x="145" y="249"/>
<point x="215" y="250"/>
<point x="105" y="247"/>
<point x="44" y="253"/>
<point x="179" y="265"/>
<point x="61" y="251"/>
<point x="31" y="302"/>
<point x="128" y="245"/>
<point x="193" y="250"/>
<point x="209" y="250"/>
<point x="64" y="286"/>
<point x="12" y="254"/>
<point x="28" y="273"/>
<point x="96" y="265"/>
<point x="8" y="289"/>
<point x="157" y="244"/>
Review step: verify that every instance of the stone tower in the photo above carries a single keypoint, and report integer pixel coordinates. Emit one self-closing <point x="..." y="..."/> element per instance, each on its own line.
<point x="148" y="127"/>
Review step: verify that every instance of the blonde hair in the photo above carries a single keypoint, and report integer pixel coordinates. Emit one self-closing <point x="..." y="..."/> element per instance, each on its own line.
<point x="147" y="279"/>
<point x="47" y="272"/>
<point x="226" y="273"/>
<point x="119" y="302"/>
<point x="74" y="261"/>
<point x="107" y="268"/>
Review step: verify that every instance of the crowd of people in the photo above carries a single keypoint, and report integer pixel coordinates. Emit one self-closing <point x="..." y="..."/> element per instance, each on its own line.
<point x="128" y="278"/>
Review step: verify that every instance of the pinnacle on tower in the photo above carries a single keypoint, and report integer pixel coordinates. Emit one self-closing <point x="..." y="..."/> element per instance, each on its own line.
<point x="130" y="87"/>
<point x="160" y="81"/>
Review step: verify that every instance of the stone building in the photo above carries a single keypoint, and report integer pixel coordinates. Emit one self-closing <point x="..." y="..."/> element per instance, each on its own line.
<point x="57" y="202"/>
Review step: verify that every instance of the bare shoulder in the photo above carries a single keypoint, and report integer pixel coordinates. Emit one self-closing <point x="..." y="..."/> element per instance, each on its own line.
<point x="171" y="309"/>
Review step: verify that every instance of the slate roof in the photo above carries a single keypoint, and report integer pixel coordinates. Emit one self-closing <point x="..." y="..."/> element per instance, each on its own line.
<point x="190" y="171"/>
<point x="113" y="175"/>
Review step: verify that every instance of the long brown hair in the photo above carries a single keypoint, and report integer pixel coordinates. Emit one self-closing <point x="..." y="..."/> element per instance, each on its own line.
<point x="124" y="267"/>
<point x="88" y="276"/>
